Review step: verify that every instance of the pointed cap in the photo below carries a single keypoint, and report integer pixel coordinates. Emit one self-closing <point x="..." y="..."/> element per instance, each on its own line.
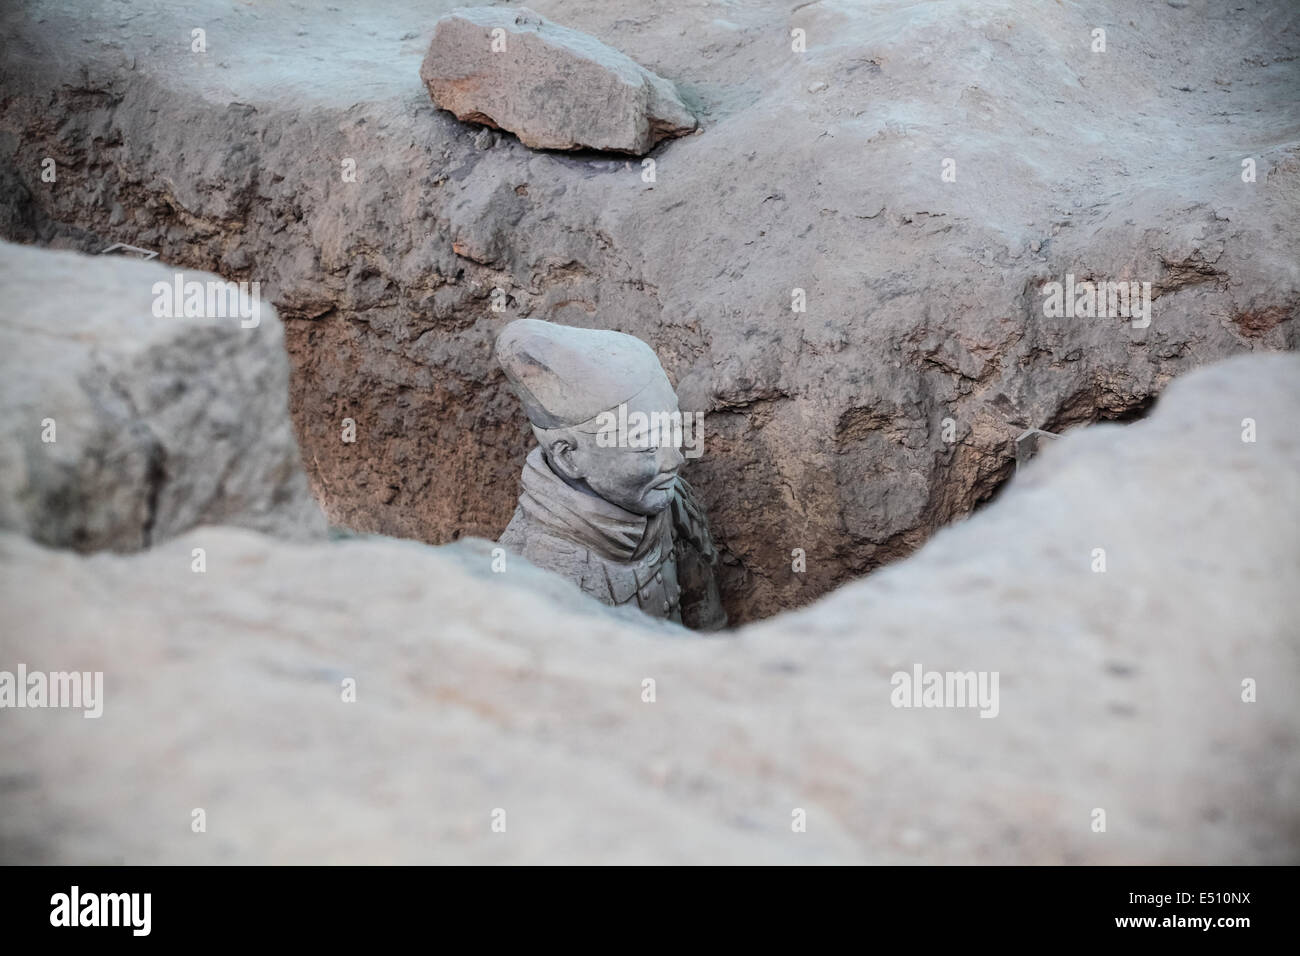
<point x="566" y="376"/>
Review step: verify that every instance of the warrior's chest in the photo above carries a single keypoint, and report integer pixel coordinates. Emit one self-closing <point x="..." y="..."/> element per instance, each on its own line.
<point x="650" y="581"/>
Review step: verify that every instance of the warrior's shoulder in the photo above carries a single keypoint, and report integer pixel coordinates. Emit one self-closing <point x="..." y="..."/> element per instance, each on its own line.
<point x="545" y="548"/>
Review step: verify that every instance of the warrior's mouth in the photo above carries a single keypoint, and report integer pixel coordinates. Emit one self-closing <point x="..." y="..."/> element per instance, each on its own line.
<point x="663" y="484"/>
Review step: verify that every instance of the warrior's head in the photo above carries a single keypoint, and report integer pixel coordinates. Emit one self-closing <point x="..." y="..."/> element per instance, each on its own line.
<point x="601" y="407"/>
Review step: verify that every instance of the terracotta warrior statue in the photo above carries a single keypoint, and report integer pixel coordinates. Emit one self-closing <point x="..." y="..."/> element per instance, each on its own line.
<point x="603" y="503"/>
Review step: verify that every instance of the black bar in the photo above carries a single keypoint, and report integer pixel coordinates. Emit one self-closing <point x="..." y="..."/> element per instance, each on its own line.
<point x="304" y="905"/>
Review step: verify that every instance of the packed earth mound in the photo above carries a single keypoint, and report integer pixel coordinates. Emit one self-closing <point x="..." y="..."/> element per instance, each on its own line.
<point x="1121" y="622"/>
<point x="855" y="266"/>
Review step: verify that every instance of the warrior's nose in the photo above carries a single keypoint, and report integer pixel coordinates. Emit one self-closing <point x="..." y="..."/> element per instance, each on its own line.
<point x="670" y="460"/>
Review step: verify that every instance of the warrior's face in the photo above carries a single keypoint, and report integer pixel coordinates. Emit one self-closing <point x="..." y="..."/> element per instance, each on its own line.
<point x="633" y="465"/>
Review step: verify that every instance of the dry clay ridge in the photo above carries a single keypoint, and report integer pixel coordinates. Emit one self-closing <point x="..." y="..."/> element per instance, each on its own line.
<point x="127" y="422"/>
<point x="810" y="280"/>
<point x="1123" y="691"/>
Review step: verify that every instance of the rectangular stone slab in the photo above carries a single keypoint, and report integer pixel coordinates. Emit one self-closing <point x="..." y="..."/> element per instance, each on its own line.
<point x="553" y="87"/>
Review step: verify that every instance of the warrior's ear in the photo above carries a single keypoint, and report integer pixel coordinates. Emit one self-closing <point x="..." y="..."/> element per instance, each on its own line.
<point x="562" y="454"/>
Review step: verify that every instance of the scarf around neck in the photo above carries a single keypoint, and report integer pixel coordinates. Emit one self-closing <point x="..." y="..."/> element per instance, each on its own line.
<point x="586" y="519"/>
